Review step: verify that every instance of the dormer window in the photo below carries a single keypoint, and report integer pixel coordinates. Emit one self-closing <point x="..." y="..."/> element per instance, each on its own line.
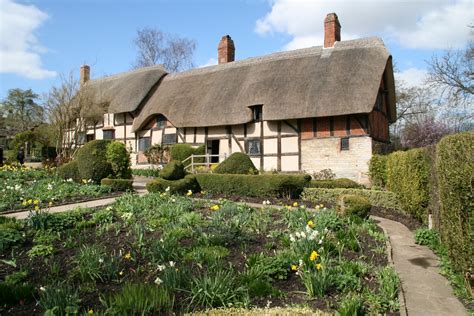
<point x="161" y="122"/>
<point x="257" y="111"/>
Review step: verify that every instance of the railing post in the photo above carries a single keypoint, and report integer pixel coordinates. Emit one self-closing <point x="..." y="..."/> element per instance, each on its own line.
<point x="192" y="163"/>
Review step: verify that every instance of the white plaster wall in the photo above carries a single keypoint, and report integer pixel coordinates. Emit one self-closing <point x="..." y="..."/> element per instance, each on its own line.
<point x="289" y="163"/>
<point x="99" y="134"/>
<point x="235" y="146"/>
<point x="325" y="153"/>
<point x="253" y="129"/>
<point x="155" y="137"/>
<point x="270" y="163"/>
<point x="270" y="128"/>
<point x="200" y="135"/>
<point x="289" y="145"/>
<point x="256" y="162"/>
<point x="270" y="146"/>
<point x="216" y="131"/>
<point x="224" y="148"/>
<point x="287" y="130"/>
<point x="189" y="135"/>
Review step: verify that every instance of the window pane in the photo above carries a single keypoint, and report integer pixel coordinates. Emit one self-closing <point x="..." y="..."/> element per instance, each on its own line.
<point x="109" y="134"/>
<point x="169" y="139"/>
<point x="144" y="143"/>
<point x="254" y="146"/>
<point x="344" y="143"/>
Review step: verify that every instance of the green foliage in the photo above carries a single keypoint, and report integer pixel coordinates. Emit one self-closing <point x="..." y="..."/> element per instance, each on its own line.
<point x="408" y="175"/>
<point x="354" y="205"/>
<point x="92" y="264"/>
<point x="455" y="168"/>
<point x="10" y="237"/>
<point x="12" y="294"/>
<point x="92" y="161"/>
<point x="175" y="186"/>
<point x="427" y="237"/>
<point x="150" y="172"/>
<point x="139" y="299"/>
<point x="118" y="157"/>
<point x="317" y="282"/>
<point x="69" y="170"/>
<point x="174" y="170"/>
<point x="378" y="170"/>
<point x="266" y="185"/>
<point x="377" y="198"/>
<point x="351" y="306"/>
<point x="16" y="277"/>
<point x="207" y="254"/>
<point x="335" y="183"/>
<point x="41" y="251"/>
<point x="120" y="185"/>
<point x="237" y="163"/>
<point x="59" y="299"/>
<point x="180" y="152"/>
<point x="389" y="285"/>
<point x="325" y="174"/>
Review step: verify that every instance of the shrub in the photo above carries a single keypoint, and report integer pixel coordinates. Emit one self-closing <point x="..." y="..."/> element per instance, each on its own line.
<point x="377" y="198"/>
<point x="10" y="237"/>
<point x="266" y="185"/>
<point x="120" y="185"/>
<point x="455" y="168"/>
<point x="119" y="159"/>
<point x="378" y="170"/>
<point x="158" y="154"/>
<point x="335" y="183"/>
<point x="180" y="152"/>
<point x="237" y="163"/>
<point x="174" y="170"/>
<point x="92" y="161"/>
<point x="151" y="172"/>
<point x="175" y="186"/>
<point x="69" y="170"/>
<point x="325" y="174"/>
<point x="354" y="205"/>
<point x="408" y="177"/>
<point x="427" y="237"/>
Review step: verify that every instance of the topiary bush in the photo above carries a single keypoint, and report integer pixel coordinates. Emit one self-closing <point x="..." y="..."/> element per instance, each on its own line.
<point x="69" y="170"/>
<point x="237" y="163"/>
<point x="180" y="152"/>
<point x="408" y="174"/>
<point x="175" y="186"/>
<point x="174" y="170"/>
<point x="455" y="169"/>
<point x="335" y="183"/>
<point x="353" y="205"/>
<point x="378" y="171"/>
<point x="120" y="185"/>
<point x="119" y="159"/>
<point x="266" y="185"/>
<point x="92" y="161"/>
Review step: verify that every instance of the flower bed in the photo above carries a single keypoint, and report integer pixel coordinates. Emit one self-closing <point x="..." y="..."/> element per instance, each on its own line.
<point x="162" y="254"/>
<point x="26" y="189"/>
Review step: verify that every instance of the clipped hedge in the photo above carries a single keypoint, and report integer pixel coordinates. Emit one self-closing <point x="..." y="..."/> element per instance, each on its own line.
<point x="92" y="161"/>
<point x="267" y="185"/>
<point x="377" y="198"/>
<point x="182" y="151"/>
<point x="174" y="170"/>
<point x="378" y="170"/>
<point x="237" y="163"/>
<point x="455" y="168"/>
<point x="335" y="183"/>
<point x="408" y="174"/>
<point x="176" y="186"/>
<point x="120" y="185"/>
<point x="69" y="170"/>
<point x="353" y="205"/>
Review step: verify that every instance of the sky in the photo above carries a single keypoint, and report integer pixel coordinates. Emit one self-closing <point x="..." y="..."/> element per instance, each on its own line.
<point x="43" y="41"/>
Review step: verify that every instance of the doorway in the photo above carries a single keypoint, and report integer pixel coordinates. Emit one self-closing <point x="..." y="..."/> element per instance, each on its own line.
<point x="213" y="149"/>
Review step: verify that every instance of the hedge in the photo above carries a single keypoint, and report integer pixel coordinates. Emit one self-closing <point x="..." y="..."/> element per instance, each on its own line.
<point x="182" y="151"/>
<point x="408" y="174"/>
<point x="119" y="158"/>
<point x="69" y="170"/>
<point x="237" y="163"/>
<point x="377" y="198"/>
<point x="353" y="205"/>
<point x="455" y="168"/>
<point x="378" y="171"/>
<point x="174" y="170"/>
<point x="92" y="161"/>
<point x="335" y="183"/>
<point x="267" y="185"/>
<point x="120" y="185"/>
<point x="175" y="186"/>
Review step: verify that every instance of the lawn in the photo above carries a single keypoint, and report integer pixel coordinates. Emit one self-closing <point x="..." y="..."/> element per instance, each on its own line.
<point x="27" y="189"/>
<point x="160" y="254"/>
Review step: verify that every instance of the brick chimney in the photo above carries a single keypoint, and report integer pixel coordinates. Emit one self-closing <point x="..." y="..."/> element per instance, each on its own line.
<point x="85" y="74"/>
<point x="332" y="30"/>
<point x="226" y="50"/>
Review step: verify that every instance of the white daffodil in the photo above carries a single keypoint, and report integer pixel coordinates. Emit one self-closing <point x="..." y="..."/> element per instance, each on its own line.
<point x="158" y="281"/>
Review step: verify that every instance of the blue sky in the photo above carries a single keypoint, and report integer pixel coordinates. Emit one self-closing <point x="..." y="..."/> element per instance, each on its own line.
<point x="42" y="40"/>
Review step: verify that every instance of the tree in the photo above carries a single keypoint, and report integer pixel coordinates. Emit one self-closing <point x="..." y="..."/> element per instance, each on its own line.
<point x="424" y="133"/>
<point x="155" y="47"/>
<point x="20" y="110"/>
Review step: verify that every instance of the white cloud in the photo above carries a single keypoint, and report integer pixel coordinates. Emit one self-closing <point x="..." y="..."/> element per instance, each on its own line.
<point x="210" y="62"/>
<point x="427" y="24"/>
<point x="19" y="48"/>
<point x="412" y="77"/>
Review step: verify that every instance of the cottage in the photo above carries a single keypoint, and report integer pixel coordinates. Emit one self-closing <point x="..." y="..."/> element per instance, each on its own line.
<point x="302" y="110"/>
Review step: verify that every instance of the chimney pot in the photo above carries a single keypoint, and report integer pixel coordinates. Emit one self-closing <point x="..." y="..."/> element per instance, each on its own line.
<point x="226" y="50"/>
<point x="332" y="30"/>
<point x="85" y="74"/>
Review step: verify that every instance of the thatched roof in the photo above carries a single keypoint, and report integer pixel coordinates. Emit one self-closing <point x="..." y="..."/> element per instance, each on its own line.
<point x="311" y="82"/>
<point x="123" y="92"/>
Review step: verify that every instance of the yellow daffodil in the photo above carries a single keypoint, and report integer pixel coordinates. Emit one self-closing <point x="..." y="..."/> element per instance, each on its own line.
<point x="50" y="203"/>
<point x="215" y="207"/>
<point x="128" y="256"/>
<point x="84" y="181"/>
<point x="90" y="312"/>
<point x="295" y="204"/>
<point x="313" y="256"/>
<point x="36" y="208"/>
<point x="318" y="266"/>
<point x="24" y="203"/>
<point x="30" y="201"/>
<point x="310" y="223"/>
<point x="321" y="205"/>
<point x="189" y="193"/>
<point x="294" y="267"/>
<point x="35" y="202"/>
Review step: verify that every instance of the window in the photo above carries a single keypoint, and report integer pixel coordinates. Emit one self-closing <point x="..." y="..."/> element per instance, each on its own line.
<point x="161" y="122"/>
<point x="257" y="112"/>
<point x="90" y="137"/>
<point x="109" y="134"/>
<point x="81" y="138"/>
<point x="144" y="143"/>
<point x="345" y="143"/>
<point x="169" y="139"/>
<point x="253" y="146"/>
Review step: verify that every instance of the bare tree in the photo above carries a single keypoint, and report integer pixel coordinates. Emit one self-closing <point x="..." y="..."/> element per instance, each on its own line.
<point x="155" y="47"/>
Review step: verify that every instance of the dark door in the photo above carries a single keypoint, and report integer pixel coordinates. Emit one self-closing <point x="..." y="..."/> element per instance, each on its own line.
<point x="213" y="149"/>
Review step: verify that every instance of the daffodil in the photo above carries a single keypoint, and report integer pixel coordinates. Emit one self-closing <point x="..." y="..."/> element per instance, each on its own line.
<point x="310" y="223"/>
<point x="295" y="204"/>
<point x="90" y="312"/>
<point x="318" y="266"/>
<point x="36" y="208"/>
<point x="294" y="267"/>
<point x="189" y="193"/>
<point x="127" y="256"/>
<point x="35" y="202"/>
<point x="313" y="255"/>
<point x="215" y="207"/>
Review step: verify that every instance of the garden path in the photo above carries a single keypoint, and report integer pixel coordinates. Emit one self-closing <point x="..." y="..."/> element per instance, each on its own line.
<point x="426" y="291"/>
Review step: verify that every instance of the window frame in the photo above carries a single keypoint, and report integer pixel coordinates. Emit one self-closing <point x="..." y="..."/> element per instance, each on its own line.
<point x="161" y="122"/>
<point x="140" y="140"/>
<point x="248" y="146"/>
<point x="169" y="143"/>
<point x="108" y="131"/>
<point x="257" y="112"/>
<point x="345" y="144"/>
